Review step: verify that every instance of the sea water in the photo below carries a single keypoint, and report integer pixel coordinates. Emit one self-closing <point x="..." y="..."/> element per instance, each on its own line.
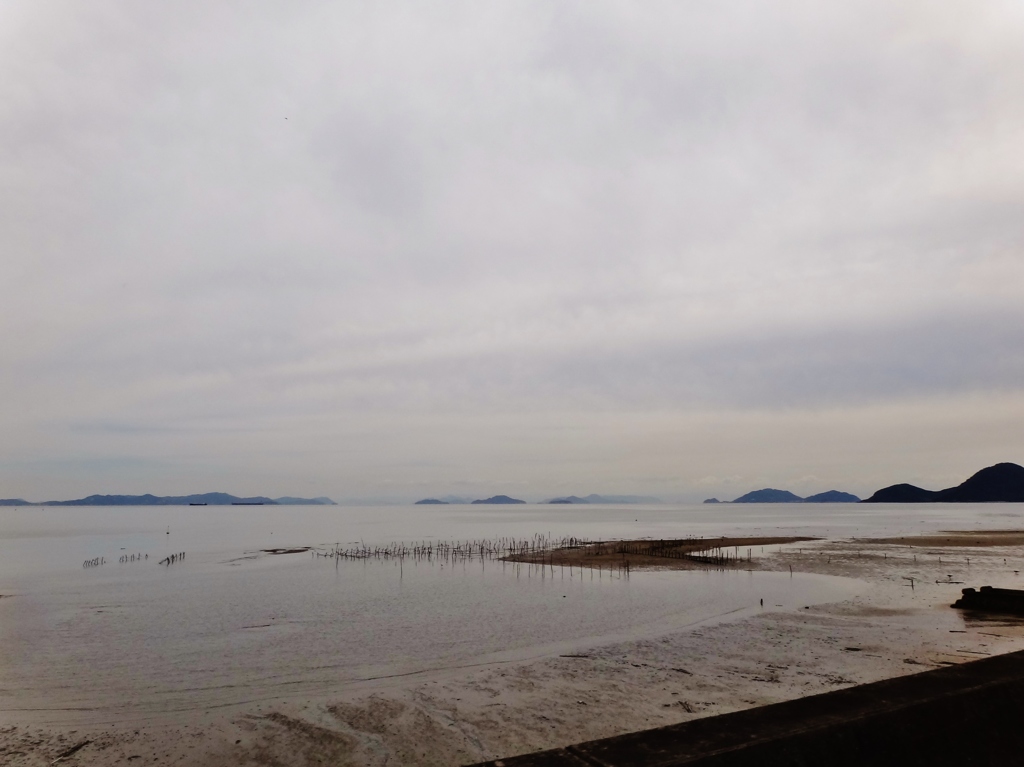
<point x="231" y="624"/>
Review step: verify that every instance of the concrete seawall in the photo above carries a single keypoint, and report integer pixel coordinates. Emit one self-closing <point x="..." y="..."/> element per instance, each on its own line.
<point x="969" y="714"/>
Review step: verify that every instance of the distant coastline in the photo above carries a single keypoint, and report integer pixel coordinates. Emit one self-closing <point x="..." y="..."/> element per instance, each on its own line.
<point x="199" y="499"/>
<point x="1000" y="483"/>
<point x="593" y="498"/>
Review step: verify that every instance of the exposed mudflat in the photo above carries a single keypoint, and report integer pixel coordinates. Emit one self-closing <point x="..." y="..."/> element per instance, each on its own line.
<point x="959" y="538"/>
<point x="679" y="554"/>
<point x="466" y="714"/>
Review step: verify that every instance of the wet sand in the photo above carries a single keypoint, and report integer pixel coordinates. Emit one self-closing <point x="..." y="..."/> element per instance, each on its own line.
<point x="678" y="554"/>
<point x="958" y="538"/>
<point x="456" y="716"/>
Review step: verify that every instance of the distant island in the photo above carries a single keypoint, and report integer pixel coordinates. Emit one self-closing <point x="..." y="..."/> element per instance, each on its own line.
<point x="1002" y="483"/>
<point x="771" y="495"/>
<point x="595" y="498"/>
<point x="200" y="499"/>
<point x="568" y="499"/>
<point x="711" y="500"/>
<point x="832" y="496"/>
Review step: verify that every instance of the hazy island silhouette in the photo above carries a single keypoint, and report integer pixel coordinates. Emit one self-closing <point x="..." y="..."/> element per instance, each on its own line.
<point x="197" y="499"/>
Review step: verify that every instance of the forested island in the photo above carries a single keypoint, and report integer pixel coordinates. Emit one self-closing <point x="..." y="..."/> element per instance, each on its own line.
<point x="1003" y="482"/>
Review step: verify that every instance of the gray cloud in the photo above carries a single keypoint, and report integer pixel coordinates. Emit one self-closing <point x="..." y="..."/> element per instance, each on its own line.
<point x="306" y="222"/>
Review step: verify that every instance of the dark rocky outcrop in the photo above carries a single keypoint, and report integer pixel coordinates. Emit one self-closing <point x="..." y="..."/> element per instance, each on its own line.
<point x="711" y="500"/>
<point x="990" y="600"/>
<point x="1003" y="483"/>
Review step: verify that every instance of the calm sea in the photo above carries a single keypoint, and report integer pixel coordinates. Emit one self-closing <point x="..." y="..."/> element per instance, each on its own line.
<point x="230" y="625"/>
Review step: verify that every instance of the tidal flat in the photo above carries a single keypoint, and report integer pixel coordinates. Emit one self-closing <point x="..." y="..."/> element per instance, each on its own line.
<point x="255" y="648"/>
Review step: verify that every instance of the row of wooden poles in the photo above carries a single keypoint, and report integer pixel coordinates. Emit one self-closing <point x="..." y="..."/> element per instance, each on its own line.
<point x="540" y="549"/>
<point x="129" y="558"/>
<point x="454" y="551"/>
<point x="542" y="565"/>
<point x="170" y="559"/>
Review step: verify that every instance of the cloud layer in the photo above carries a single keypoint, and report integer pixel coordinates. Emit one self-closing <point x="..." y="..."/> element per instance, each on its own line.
<point x="386" y="250"/>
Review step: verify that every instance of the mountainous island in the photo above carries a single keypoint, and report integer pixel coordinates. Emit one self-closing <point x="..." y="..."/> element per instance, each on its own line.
<point x="199" y="499"/>
<point x="832" y="496"/>
<point x="771" y="495"/>
<point x="498" y="499"/>
<point x="430" y="502"/>
<point x="1002" y="483"/>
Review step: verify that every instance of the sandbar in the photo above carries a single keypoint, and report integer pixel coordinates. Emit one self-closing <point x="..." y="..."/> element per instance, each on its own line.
<point x="646" y="553"/>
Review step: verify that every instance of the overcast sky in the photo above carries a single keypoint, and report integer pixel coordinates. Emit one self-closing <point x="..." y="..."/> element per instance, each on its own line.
<point x="382" y="250"/>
